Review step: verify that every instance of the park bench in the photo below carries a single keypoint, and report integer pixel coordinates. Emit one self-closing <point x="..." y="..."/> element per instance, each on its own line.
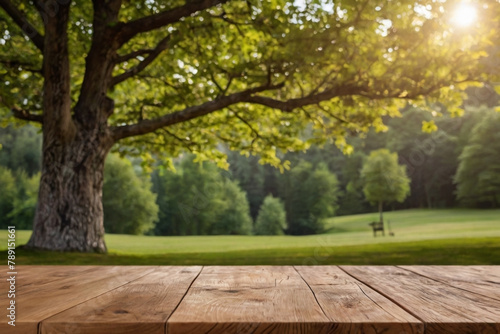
<point x="377" y="226"/>
<point x="254" y="299"/>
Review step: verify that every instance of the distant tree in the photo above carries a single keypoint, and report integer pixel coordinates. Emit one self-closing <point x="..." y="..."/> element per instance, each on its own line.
<point x="272" y="217"/>
<point x="478" y="174"/>
<point x="7" y="196"/>
<point x="129" y="205"/>
<point x="234" y="213"/>
<point x="384" y="179"/>
<point x="198" y="199"/>
<point x="188" y="197"/>
<point x="310" y="196"/>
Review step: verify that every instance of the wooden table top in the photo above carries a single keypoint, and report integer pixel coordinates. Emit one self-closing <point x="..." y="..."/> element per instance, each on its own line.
<point x="253" y="299"/>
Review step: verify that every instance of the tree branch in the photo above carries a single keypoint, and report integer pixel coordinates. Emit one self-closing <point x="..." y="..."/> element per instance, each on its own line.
<point x="252" y="129"/>
<point x="133" y="55"/>
<point x="186" y="114"/>
<point x="161" y="46"/>
<point x="345" y="90"/>
<point x="128" y="30"/>
<point x="24" y="65"/>
<point x="23" y="23"/>
<point x="289" y="105"/>
<point x="26" y="116"/>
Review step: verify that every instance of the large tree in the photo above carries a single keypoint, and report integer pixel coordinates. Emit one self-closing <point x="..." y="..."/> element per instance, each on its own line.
<point x="166" y="76"/>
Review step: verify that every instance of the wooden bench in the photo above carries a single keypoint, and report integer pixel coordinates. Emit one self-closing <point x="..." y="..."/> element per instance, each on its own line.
<point x="377" y="226"/>
<point x="254" y="299"/>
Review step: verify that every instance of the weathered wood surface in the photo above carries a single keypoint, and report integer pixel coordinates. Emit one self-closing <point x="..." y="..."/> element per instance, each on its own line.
<point x="248" y="300"/>
<point x="142" y="306"/>
<point x="354" y="307"/>
<point x="483" y="280"/>
<point x="36" y="304"/>
<point x="254" y="299"/>
<point x="442" y="307"/>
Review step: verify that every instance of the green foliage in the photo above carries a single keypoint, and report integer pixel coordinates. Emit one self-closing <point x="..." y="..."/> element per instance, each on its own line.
<point x="234" y="216"/>
<point x="7" y="196"/>
<point x="430" y="158"/>
<point x="24" y="204"/>
<point x="129" y="205"/>
<point x="196" y="200"/>
<point x="310" y="195"/>
<point x="331" y="68"/>
<point x="384" y="179"/>
<point x="369" y="53"/>
<point x="21" y="149"/>
<point x="478" y="174"/>
<point x="352" y="200"/>
<point x="272" y="217"/>
<point x="18" y="198"/>
<point x="187" y="198"/>
<point x="250" y="175"/>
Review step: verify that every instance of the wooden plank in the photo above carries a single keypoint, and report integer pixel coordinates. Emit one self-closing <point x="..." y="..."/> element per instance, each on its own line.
<point x="32" y="277"/>
<point x="34" y="305"/>
<point x="353" y="306"/>
<point x="142" y="306"/>
<point x="483" y="280"/>
<point x="443" y="308"/>
<point x="252" y="299"/>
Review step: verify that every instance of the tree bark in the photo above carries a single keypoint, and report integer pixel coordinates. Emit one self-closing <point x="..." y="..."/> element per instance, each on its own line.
<point x="69" y="215"/>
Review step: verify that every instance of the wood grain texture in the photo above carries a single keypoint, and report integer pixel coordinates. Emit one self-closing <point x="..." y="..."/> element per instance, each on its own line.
<point x="34" y="278"/>
<point x="37" y="303"/>
<point x="31" y="278"/>
<point x="255" y="299"/>
<point x="483" y="280"/>
<point x="354" y="307"/>
<point x="443" y="308"/>
<point x="252" y="299"/>
<point x="142" y="306"/>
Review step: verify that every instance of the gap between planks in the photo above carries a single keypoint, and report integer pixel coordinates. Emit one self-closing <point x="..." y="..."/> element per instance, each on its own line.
<point x="386" y="296"/>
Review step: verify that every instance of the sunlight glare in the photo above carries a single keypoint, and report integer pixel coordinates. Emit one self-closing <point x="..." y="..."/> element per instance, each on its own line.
<point x="464" y="15"/>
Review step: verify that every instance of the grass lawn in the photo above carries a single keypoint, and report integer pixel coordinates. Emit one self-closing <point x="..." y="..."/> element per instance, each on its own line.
<point x="421" y="237"/>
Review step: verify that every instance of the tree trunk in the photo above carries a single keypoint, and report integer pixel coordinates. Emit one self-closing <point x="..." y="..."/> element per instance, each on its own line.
<point x="69" y="215"/>
<point x="380" y="209"/>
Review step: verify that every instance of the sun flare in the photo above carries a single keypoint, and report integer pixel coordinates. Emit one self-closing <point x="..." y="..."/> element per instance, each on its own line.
<point x="464" y="15"/>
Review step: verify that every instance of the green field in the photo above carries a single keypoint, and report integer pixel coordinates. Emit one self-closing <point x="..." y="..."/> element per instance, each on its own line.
<point x="421" y="237"/>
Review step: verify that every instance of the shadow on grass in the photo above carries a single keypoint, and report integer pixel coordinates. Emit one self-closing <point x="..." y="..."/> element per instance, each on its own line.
<point x="469" y="251"/>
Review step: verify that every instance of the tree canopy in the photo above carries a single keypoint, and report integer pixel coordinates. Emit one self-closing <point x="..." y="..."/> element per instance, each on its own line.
<point x="337" y="66"/>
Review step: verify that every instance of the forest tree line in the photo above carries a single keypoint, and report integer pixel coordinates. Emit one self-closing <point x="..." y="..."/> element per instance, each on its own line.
<point x="456" y="162"/>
